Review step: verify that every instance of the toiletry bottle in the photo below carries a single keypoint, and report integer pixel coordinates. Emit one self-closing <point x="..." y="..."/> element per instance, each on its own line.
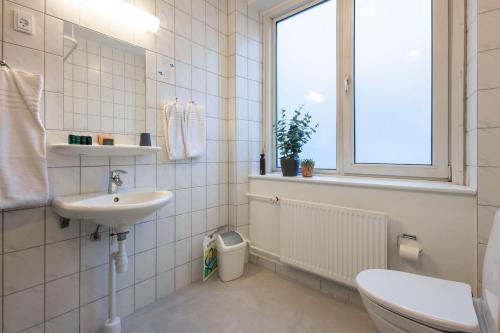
<point x="262" y="164"/>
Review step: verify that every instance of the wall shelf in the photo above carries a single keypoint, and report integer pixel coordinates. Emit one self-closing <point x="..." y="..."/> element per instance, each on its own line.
<point x="101" y="150"/>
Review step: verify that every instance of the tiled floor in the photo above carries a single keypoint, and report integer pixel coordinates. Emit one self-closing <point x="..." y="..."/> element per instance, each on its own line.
<point x="261" y="301"/>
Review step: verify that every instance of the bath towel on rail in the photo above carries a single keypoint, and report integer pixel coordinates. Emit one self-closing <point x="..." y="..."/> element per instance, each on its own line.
<point x="23" y="161"/>
<point x="173" y="124"/>
<point x="194" y="129"/>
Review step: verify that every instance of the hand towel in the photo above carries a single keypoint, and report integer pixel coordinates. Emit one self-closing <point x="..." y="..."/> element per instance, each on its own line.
<point x="23" y="161"/>
<point x="173" y="124"/>
<point x="195" y="130"/>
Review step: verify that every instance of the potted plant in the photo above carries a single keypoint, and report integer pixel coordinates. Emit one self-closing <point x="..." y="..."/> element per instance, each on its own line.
<point x="307" y="167"/>
<point x="291" y="136"/>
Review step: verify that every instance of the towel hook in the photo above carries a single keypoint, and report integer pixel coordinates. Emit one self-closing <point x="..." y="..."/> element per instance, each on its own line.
<point x="4" y="64"/>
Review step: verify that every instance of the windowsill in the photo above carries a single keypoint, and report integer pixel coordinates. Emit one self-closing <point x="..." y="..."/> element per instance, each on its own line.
<point x="370" y="182"/>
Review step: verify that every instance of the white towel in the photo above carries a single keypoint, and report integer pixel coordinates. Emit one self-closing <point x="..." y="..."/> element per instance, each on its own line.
<point x="23" y="162"/>
<point x="195" y="130"/>
<point x="173" y="124"/>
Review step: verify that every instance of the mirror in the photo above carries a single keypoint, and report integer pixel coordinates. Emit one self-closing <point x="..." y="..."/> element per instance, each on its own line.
<point x="104" y="83"/>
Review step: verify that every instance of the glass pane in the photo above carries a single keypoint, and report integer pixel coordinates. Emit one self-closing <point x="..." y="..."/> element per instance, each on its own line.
<point x="306" y="64"/>
<point x="393" y="81"/>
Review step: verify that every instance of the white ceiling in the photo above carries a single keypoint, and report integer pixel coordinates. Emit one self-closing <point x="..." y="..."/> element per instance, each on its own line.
<point x="264" y="4"/>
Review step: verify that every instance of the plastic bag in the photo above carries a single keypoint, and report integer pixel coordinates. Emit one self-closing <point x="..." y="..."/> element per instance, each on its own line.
<point x="209" y="256"/>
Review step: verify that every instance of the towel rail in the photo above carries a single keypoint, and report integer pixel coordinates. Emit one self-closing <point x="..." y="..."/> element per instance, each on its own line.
<point x="177" y="100"/>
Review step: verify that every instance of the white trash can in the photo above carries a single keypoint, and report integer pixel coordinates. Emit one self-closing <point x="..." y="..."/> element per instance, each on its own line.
<point x="231" y="249"/>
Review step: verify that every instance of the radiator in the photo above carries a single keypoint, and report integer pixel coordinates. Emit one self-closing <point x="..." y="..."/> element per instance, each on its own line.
<point x="334" y="242"/>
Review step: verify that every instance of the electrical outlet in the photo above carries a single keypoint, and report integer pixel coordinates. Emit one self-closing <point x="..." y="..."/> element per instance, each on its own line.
<point x="23" y="22"/>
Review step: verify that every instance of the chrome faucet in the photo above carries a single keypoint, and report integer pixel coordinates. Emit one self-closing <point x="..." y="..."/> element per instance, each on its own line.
<point x="115" y="180"/>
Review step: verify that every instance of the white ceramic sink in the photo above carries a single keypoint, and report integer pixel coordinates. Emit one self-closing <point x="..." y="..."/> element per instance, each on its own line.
<point x="123" y="208"/>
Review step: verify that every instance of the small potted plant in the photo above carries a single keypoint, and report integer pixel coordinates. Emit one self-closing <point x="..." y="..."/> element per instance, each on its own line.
<point x="307" y="167"/>
<point x="291" y="136"/>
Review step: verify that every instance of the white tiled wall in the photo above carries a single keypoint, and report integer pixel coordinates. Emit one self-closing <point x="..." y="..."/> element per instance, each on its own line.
<point x="244" y="89"/>
<point x="483" y="113"/>
<point x="55" y="280"/>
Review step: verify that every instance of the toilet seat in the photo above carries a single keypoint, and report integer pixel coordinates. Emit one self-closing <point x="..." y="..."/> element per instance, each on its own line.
<point x="445" y="305"/>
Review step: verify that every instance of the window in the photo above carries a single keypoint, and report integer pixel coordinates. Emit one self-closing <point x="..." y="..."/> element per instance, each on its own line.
<point x="374" y="75"/>
<point x="306" y="74"/>
<point x="393" y="82"/>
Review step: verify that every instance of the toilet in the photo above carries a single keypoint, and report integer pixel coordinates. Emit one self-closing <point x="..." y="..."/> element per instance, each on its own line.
<point x="403" y="302"/>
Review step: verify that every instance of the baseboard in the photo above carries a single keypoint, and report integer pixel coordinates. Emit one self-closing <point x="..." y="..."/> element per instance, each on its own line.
<point x="271" y="261"/>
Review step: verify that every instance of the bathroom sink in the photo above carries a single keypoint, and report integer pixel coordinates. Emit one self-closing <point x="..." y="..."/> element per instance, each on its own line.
<point x="118" y="210"/>
<point x="122" y="208"/>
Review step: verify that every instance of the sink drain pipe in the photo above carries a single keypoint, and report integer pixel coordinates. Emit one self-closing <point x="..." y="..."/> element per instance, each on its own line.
<point x="118" y="262"/>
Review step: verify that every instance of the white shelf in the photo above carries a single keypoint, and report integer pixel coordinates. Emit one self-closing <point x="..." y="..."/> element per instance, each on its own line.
<point x="101" y="150"/>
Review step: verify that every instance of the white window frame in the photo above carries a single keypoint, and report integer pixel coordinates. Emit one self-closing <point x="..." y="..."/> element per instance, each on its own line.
<point x="448" y="84"/>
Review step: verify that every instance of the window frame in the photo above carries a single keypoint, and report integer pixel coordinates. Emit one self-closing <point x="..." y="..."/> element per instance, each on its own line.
<point x="448" y="83"/>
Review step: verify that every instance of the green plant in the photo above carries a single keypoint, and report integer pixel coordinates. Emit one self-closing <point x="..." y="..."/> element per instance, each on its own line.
<point x="308" y="162"/>
<point x="293" y="134"/>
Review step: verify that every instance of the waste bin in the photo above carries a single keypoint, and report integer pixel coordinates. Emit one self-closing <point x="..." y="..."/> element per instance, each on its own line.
<point x="231" y="248"/>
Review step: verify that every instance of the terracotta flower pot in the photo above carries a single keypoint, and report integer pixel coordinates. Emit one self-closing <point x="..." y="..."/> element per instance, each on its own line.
<point x="307" y="171"/>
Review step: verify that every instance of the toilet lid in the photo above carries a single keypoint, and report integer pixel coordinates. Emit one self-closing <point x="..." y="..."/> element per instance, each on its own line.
<point x="436" y="302"/>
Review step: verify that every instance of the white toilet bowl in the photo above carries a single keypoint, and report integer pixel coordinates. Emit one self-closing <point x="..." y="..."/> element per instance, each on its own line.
<point x="400" y="302"/>
<point x="403" y="302"/>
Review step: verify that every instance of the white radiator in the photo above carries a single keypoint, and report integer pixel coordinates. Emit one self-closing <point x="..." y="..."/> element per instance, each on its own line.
<point x="334" y="242"/>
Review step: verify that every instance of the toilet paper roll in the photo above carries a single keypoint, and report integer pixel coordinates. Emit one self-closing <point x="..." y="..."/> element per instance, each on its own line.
<point x="409" y="252"/>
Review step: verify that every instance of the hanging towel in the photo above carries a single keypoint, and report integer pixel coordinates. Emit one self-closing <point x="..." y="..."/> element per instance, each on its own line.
<point x="173" y="124"/>
<point x="23" y="162"/>
<point x="195" y="130"/>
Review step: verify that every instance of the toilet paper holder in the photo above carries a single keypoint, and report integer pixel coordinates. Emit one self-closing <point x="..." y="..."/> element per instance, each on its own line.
<point x="407" y="236"/>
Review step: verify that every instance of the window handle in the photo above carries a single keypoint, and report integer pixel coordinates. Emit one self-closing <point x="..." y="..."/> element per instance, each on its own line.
<point x="346" y="83"/>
